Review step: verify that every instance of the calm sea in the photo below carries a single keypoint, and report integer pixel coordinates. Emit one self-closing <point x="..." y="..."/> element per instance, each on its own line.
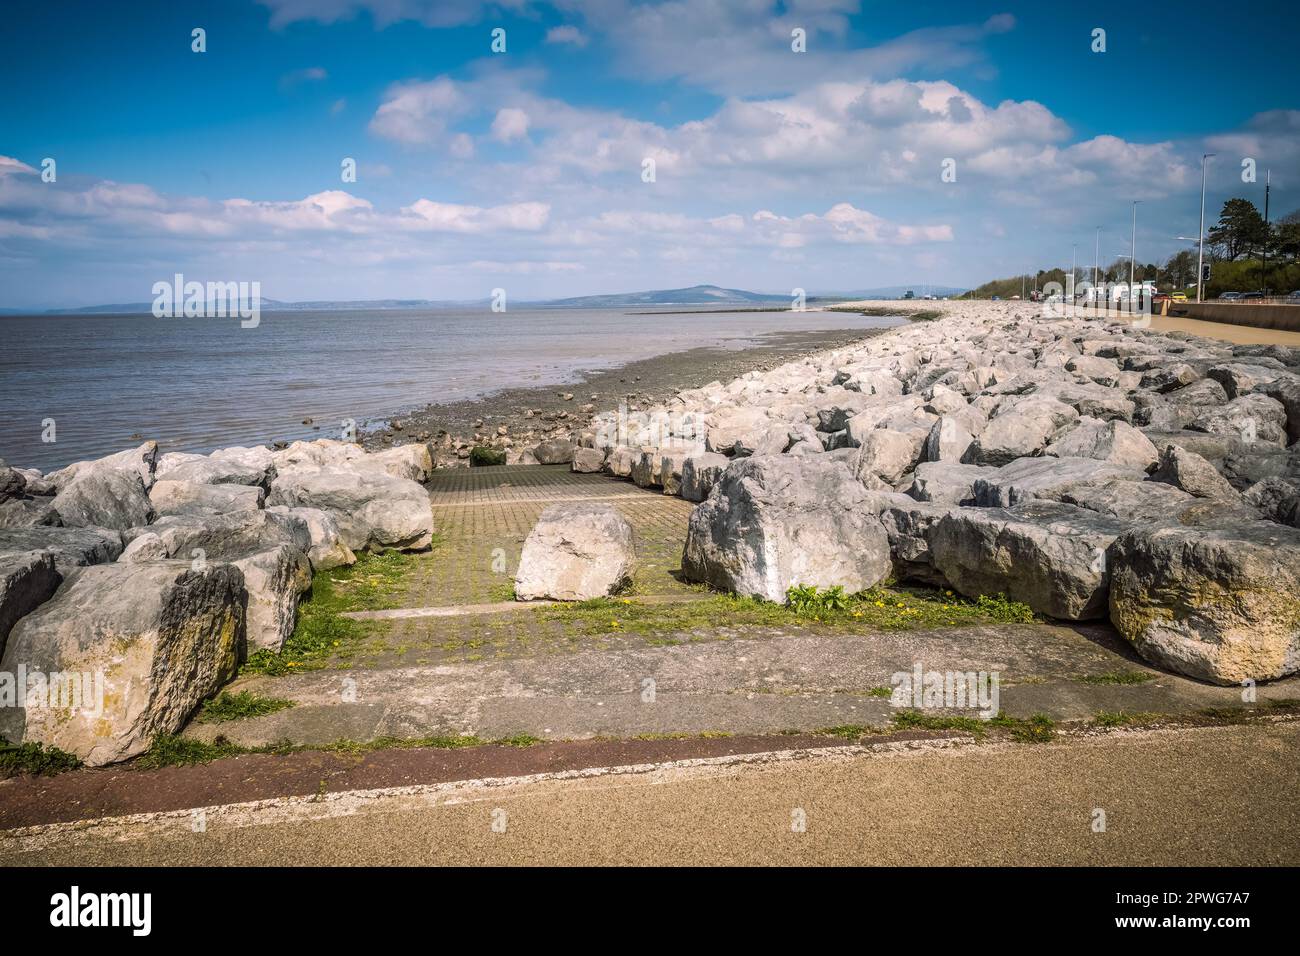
<point x="198" y="384"/>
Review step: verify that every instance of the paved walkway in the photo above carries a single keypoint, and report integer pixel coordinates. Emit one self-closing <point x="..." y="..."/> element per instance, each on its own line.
<point x="1209" y="797"/>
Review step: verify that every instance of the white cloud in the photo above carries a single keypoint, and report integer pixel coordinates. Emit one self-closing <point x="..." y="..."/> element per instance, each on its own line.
<point x="566" y="34"/>
<point x="510" y="125"/>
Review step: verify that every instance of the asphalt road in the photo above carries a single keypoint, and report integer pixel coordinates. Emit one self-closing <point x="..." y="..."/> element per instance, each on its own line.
<point x="1214" y="796"/>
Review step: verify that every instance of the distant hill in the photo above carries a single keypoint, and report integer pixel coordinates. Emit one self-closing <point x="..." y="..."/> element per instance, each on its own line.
<point x="696" y="295"/>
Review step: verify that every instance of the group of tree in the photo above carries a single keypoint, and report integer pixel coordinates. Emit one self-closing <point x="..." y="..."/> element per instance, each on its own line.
<point x="1243" y="251"/>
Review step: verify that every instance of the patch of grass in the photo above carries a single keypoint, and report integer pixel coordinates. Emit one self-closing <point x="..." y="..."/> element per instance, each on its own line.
<point x="918" y="720"/>
<point x="810" y="601"/>
<point x="505" y="591"/>
<point x="885" y="692"/>
<point x="687" y="735"/>
<point x="35" y="759"/>
<point x="374" y="582"/>
<point x="170" y="750"/>
<point x="882" y="609"/>
<point x="481" y="456"/>
<point x="1036" y="729"/>
<point x="240" y="706"/>
<point x="1117" y="677"/>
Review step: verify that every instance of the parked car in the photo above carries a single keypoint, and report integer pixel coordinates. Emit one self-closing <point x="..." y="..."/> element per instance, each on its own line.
<point x="1294" y="296"/>
<point x="1178" y="296"/>
<point x="1249" y="295"/>
<point x="1229" y="296"/>
<point x="996" y="298"/>
<point x="1158" y="297"/>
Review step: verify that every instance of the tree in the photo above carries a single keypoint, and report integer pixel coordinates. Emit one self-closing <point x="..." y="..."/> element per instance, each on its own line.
<point x="1286" y="236"/>
<point x="1240" y="229"/>
<point x="1179" y="271"/>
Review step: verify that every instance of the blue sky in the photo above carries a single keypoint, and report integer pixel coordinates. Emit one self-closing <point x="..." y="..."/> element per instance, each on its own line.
<point x="523" y="170"/>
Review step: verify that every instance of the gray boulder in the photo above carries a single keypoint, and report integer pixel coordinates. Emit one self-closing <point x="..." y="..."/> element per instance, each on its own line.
<point x="555" y="452"/>
<point x="273" y="581"/>
<point x="588" y="460"/>
<point x="948" y="440"/>
<point x="1114" y="441"/>
<point x="1047" y="478"/>
<point x="170" y="497"/>
<point x="778" y="521"/>
<point x="374" y="510"/>
<point x="235" y="534"/>
<point x="700" y="473"/>
<point x="577" y="551"/>
<point x="150" y="643"/>
<point x="140" y="460"/>
<point x="326" y="548"/>
<point x="211" y="470"/>
<point x="1214" y="603"/>
<point x="1276" y="499"/>
<point x="947" y="483"/>
<point x="27" y="580"/>
<point x="1049" y="555"/>
<point x="1009" y="436"/>
<point x="1137" y="502"/>
<point x="104" y="498"/>
<point x="70" y="547"/>
<point x="1193" y="474"/>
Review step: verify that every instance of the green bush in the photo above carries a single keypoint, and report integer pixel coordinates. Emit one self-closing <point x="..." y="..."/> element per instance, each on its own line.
<point x="811" y="601"/>
<point x="482" y="456"/>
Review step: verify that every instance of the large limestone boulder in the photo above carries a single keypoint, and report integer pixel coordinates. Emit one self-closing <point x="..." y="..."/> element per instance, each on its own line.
<point x="235" y="534"/>
<point x="1047" y="478"/>
<point x="773" y="522"/>
<point x="647" y="470"/>
<point x="27" y="580"/>
<point x="326" y="549"/>
<point x="374" y="510"/>
<point x="554" y="452"/>
<point x="886" y="455"/>
<point x="700" y="473"/>
<point x="1049" y="555"/>
<point x="577" y="551"/>
<point x="70" y="547"/>
<point x="151" y="642"/>
<point x="170" y="497"/>
<point x="1191" y="473"/>
<point x="1114" y="441"/>
<point x="104" y="498"/>
<point x="671" y="463"/>
<point x="621" y="461"/>
<point x="251" y="470"/>
<point x="1137" y="502"/>
<point x="1011" y="435"/>
<point x="588" y="460"/>
<point x="27" y="513"/>
<point x="947" y="441"/>
<point x="411" y="462"/>
<point x="140" y="460"/>
<point x="1220" y="604"/>
<point x="947" y="483"/>
<point x="273" y="581"/>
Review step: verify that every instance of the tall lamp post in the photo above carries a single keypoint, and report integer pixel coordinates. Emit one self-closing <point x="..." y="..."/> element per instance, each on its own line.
<point x="1133" y="248"/>
<point x="1200" y="255"/>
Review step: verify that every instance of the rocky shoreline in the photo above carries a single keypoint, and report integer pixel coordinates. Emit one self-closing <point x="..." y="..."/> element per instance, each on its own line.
<point x="515" y="420"/>
<point x="1088" y="468"/>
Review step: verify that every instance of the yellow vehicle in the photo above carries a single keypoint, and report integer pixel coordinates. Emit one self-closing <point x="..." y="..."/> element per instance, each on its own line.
<point x="1178" y="296"/>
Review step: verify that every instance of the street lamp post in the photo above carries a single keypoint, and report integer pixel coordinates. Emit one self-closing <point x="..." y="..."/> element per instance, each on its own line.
<point x="1132" y="256"/>
<point x="1200" y="255"/>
